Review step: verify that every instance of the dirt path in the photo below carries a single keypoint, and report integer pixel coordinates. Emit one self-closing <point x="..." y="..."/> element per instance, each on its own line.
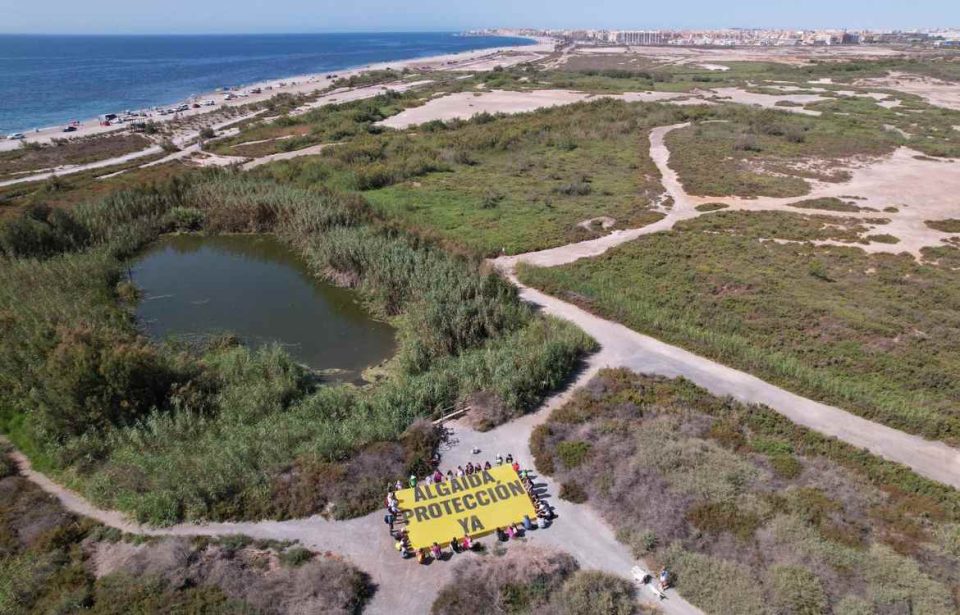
<point x="406" y="587"/>
<point x="77" y="168"/>
<point x="402" y="585"/>
<point x="623" y="347"/>
<point x="307" y="151"/>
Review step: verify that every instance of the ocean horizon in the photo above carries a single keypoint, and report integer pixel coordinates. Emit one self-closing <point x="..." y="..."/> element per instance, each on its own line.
<point x="48" y="80"/>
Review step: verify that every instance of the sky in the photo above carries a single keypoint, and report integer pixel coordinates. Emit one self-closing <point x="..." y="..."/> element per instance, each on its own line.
<point x="256" y="16"/>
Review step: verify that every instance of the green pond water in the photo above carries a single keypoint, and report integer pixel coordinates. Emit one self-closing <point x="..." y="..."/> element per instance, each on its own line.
<point x="258" y="289"/>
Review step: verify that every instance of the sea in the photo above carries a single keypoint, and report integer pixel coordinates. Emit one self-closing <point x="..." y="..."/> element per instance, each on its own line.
<point x="50" y="80"/>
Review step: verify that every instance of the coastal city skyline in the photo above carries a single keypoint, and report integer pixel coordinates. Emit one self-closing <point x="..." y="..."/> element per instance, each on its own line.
<point x="301" y="16"/>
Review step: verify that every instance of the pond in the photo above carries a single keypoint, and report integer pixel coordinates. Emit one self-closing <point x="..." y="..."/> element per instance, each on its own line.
<point x="257" y="288"/>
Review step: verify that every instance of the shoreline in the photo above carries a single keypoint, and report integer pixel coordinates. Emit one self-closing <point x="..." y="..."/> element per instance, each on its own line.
<point x="296" y="84"/>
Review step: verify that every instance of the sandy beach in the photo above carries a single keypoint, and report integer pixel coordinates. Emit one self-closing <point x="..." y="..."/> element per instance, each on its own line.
<point x="479" y="59"/>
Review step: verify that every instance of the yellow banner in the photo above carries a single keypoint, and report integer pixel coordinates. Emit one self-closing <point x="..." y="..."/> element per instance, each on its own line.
<point x="476" y="505"/>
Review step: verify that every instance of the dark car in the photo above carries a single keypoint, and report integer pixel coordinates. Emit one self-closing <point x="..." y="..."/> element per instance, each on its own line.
<point x="70" y="129"/>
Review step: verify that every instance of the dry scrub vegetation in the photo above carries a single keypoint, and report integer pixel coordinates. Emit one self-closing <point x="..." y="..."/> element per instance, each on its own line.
<point x="36" y="157"/>
<point x="751" y="513"/>
<point x="527" y="579"/>
<point x="525" y="182"/>
<point x="54" y="562"/>
<point x="877" y="334"/>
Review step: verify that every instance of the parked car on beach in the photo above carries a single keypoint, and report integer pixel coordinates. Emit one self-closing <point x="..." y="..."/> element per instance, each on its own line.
<point x="70" y="128"/>
<point x="17" y="136"/>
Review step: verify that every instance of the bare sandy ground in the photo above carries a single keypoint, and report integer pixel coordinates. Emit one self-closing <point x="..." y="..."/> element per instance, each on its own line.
<point x="769" y="101"/>
<point x="463" y="105"/>
<point x="784" y="55"/>
<point x="307" y="151"/>
<point x="934" y="91"/>
<point x="920" y="188"/>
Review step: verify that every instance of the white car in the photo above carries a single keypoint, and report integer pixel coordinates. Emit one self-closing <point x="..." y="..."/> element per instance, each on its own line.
<point x="209" y="103"/>
<point x="17" y="136"/>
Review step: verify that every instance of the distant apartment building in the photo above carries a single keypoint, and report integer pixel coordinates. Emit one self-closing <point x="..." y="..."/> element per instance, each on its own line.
<point x="639" y="37"/>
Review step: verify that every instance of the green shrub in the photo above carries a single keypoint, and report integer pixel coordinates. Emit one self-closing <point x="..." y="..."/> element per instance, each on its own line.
<point x="597" y="592"/>
<point x="708" y="207"/>
<point x="42" y="232"/>
<point x="797" y="591"/>
<point x="573" y="492"/>
<point x="786" y="466"/>
<point x="296" y="556"/>
<point x="721" y="587"/>
<point x="184" y="219"/>
<point x="542" y="459"/>
<point x="719" y="517"/>
<point x="950" y="225"/>
<point x="572" y="453"/>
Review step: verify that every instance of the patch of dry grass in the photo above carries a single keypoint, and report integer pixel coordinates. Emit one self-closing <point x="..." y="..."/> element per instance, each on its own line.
<point x="702" y="485"/>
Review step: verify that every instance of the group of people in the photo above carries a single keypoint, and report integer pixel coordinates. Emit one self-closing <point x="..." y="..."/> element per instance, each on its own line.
<point x="406" y="550"/>
<point x="396" y="521"/>
<point x="544" y="511"/>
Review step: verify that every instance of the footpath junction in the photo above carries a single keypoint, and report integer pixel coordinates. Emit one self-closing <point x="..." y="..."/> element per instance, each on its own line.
<point x="453" y="509"/>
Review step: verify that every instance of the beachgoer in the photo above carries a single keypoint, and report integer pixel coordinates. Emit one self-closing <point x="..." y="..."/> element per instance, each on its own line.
<point x="511" y="531"/>
<point x="413" y="481"/>
<point x="499" y="459"/>
<point x="467" y="543"/>
<point x="460" y="471"/>
<point x="664" y="579"/>
<point x="398" y="486"/>
<point x="487" y="466"/>
<point x="516" y="467"/>
<point x="436" y="551"/>
<point x="455" y="545"/>
<point x="449" y="474"/>
<point x="437" y="476"/>
<point x="527" y="524"/>
<point x="509" y="457"/>
<point x="421" y="556"/>
<point x="501" y="535"/>
<point x="389" y="518"/>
